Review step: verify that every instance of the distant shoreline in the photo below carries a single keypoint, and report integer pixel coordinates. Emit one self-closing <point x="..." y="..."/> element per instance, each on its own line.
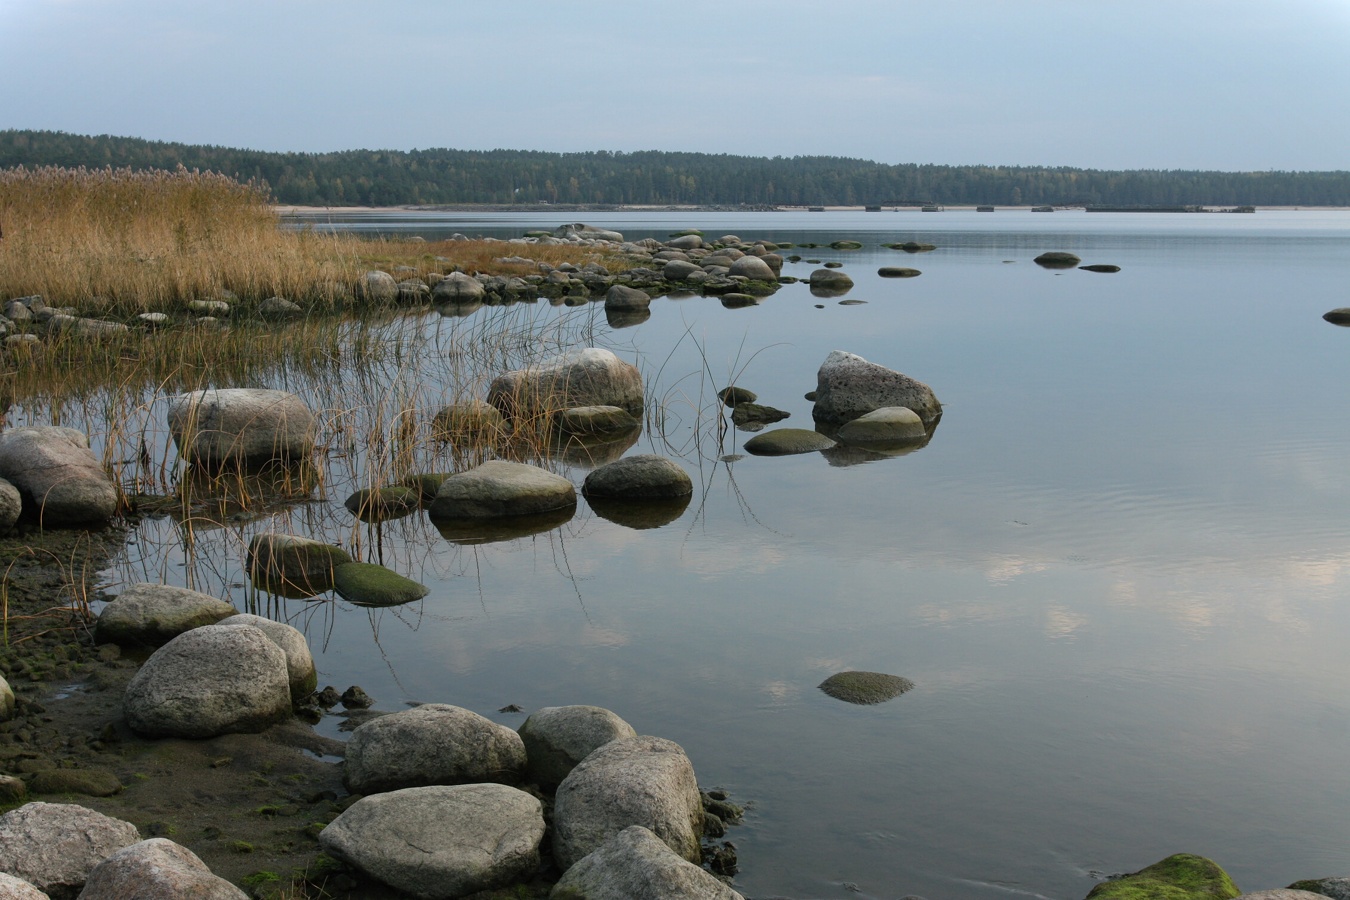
<point x="290" y="209"/>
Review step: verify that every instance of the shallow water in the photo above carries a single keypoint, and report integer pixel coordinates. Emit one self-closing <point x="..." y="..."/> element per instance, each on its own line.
<point x="1118" y="574"/>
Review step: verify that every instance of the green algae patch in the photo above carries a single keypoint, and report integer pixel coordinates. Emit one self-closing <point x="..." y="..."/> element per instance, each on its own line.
<point x="866" y="688"/>
<point x="1180" y="877"/>
<point x="367" y="584"/>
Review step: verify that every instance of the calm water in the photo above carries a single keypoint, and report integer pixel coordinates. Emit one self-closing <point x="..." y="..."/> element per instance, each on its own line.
<point x="1119" y="574"/>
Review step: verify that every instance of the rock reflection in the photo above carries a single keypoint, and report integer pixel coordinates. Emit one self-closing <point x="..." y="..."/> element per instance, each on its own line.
<point x="640" y="514"/>
<point x="489" y="531"/>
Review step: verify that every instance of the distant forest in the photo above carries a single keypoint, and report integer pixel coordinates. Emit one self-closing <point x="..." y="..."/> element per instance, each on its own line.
<point x="445" y="177"/>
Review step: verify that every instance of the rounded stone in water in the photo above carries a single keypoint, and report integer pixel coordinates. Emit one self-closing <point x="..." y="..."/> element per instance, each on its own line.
<point x="865" y="688"/>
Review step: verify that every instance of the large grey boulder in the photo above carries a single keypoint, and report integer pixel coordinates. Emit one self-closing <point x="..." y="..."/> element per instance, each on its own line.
<point x="12" y="888"/>
<point x="151" y="615"/>
<point x="290" y="563"/>
<point x="157" y="869"/>
<point x="830" y="280"/>
<point x="431" y="744"/>
<point x="11" y="505"/>
<point x="498" y="489"/>
<point x="636" y="865"/>
<point x="679" y="270"/>
<point x="212" y="680"/>
<point x="645" y="476"/>
<point x="441" y="841"/>
<point x="300" y="672"/>
<point x="458" y="288"/>
<point x="622" y="297"/>
<point x="645" y="781"/>
<point x="57" y="476"/>
<point x="241" y="426"/>
<point x="848" y="386"/>
<point x="588" y="377"/>
<point x="754" y="268"/>
<point x="54" y="846"/>
<point x="377" y="287"/>
<point x="556" y="738"/>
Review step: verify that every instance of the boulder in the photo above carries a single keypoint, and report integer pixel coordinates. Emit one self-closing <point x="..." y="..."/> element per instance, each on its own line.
<point x="11" y="505"/>
<point x="848" y="386"/>
<point x="378" y="504"/>
<point x="1180" y="877"/>
<point x="458" y="289"/>
<point x="377" y="287"/>
<point x="557" y="738"/>
<point x="151" y="615"/>
<point x="865" y="688"/>
<point x="888" y="425"/>
<point x="754" y="268"/>
<point x="241" y="426"/>
<point x="622" y="297"/>
<point x="212" y="680"/>
<point x="431" y="744"/>
<point x="366" y="584"/>
<point x="645" y="781"/>
<point x="280" y="308"/>
<point x="596" y="420"/>
<point x="679" y="270"/>
<point x="441" y="841"/>
<point x="467" y="419"/>
<point x="59" y="480"/>
<point x="498" y="489"/>
<point x="54" y="846"/>
<point x="642" y="477"/>
<point x="589" y="377"/>
<point x="12" y="888"/>
<point x="300" y="671"/>
<point x="787" y="442"/>
<point x="290" y="563"/>
<point x="1336" y="888"/>
<point x="636" y="865"/>
<point x="157" y="869"/>
<point x="6" y="700"/>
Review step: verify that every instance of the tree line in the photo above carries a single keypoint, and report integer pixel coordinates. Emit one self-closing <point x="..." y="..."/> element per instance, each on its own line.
<point x="445" y="176"/>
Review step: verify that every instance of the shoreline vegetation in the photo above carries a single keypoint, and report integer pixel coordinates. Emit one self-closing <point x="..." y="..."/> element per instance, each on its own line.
<point x="124" y="245"/>
<point x="599" y="179"/>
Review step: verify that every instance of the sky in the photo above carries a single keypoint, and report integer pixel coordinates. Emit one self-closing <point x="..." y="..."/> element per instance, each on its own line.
<point x="1236" y="85"/>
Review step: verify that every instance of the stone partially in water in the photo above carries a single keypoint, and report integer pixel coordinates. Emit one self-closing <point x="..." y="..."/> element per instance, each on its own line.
<point x="290" y="563"/>
<point x="786" y="442"/>
<point x="586" y="377"/>
<point x="366" y="584"/>
<point x="636" y="865"/>
<point x="1057" y="259"/>
<point x="848" y="386"/>
<point x="468" y="419"/>
<point x="596" y="420"/>
<point x="865" y="688"/>
<point x="242" y="426"/>
<point x="557" y="738"/>
<point x="378" y="504"/>
<point x="498" y="489"/>
<point x="898" y="272"/>
<point x="745" y="413"/>
<point x="1180" y="877"/>
<point x="1339" y="316"/>
<point x="1100" y="267"/>
<point x="890" y="424"/>
<point x="733" y="395"/>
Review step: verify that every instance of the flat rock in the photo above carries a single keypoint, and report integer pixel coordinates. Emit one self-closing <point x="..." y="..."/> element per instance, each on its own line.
<point x="586" y="377"/>
<point x="645" y="781"/>
<point x="92" y="782"/>
<point x="898" y="272"/>
<point x="890" y="424"/>
<point x="642" y="477"/>
<point x="498" y="489"/>
<point x="1057" y="259"/>
<point x="213" y="680"/>
<point x="241" y="426"/>
<point x="157" y="869"/>
<point x="59" y="480"/>
<point x="367" y="584"/>
<point x="441" y="841"/>
<point x="54" y="846"/>
<point x="431" y="744"/>
<point x="557" y="738"/>
<point x="151" y="615"/>
<point x="636" y="865"/>
<point x="865" y="688"/>
<point x="300" y="672"/>
<point x="848" y="386"/>
<point x="787" y="441"/>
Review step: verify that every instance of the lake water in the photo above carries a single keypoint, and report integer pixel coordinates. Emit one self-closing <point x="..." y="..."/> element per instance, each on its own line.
<point x="1119" y="574"/>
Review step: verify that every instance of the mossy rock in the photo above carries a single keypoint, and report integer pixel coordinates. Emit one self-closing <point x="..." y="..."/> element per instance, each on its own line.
<point x="1057" y="259"/>
<point x="733" y="396"/>
<point x="367" y="584"/>
<point x="865" y="688"/>
<point x="834" y="265"/>
<point x="787" y="441"/>
<point x="911" y="247"/>
<point x="846" y="245"/>
<point x="1180" y="877"/>
<point x="375" y="504"/>
<point x="427" y="484"/>
<point x="88" y="782"/>
<point x="1100" y="267"/>
<point x="743" y="413"/>
<point x="898" y="272"/>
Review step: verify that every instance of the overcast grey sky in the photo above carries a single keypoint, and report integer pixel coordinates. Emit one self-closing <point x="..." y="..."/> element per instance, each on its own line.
<point x="1204" y="84"/>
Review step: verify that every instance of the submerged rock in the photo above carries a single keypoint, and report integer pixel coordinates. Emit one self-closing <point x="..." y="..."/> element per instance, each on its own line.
<point x="1057" y="259"/>
<point x="585" y="420"/>
<point x="1180" y="877"/>
<point x="1100" y="267"/>
<point x="366" y="584"/>
<point x="787" y="441"/>
<point x="865" y="688"/>
<point x="1338" y="316"/>
<point x="743" y="414"/>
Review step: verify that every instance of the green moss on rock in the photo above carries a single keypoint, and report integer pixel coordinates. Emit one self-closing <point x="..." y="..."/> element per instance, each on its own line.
<point x="1184" y="876"/>
<point x="367" y="584"/>
<point x="865" y="688"/>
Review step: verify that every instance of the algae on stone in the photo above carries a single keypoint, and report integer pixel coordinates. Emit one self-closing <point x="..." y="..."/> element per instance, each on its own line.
<point x="865" y="688"/>
<point x="1183" y="876"/>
